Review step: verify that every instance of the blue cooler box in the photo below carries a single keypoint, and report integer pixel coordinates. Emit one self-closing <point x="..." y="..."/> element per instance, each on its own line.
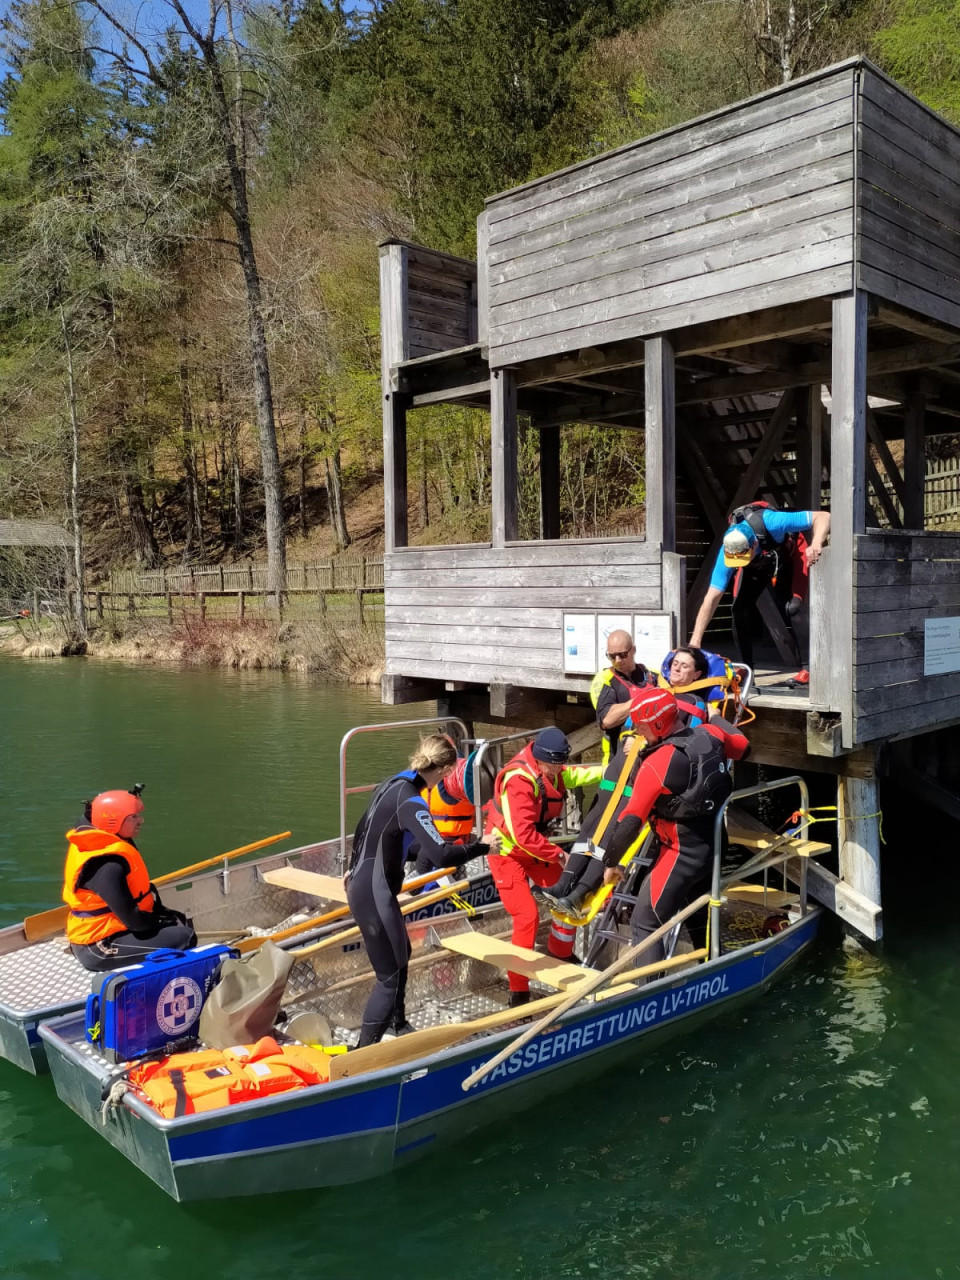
<point x="152" y="1006"/>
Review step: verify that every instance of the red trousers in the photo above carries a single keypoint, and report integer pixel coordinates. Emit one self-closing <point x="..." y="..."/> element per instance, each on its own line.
<point x="512" y="876"/>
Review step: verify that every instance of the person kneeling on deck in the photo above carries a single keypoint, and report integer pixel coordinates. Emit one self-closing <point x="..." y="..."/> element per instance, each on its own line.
<point x="528" y="795"/>
<point x="116" y="916"/>
<point x="397" y="818"/>
<point x="679" y="786"/>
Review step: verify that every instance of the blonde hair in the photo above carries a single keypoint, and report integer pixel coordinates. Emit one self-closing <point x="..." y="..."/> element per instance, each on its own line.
<point x="433" y="752"/>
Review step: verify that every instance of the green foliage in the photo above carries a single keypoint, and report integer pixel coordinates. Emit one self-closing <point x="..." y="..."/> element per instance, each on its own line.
<point x="921" y="48"/>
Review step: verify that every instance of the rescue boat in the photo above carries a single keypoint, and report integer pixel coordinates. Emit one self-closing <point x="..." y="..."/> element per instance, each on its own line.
<point x="41" y="979"/>
<point x="464" y="1067"/>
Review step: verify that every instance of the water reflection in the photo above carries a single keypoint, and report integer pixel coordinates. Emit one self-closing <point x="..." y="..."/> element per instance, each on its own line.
<point x="810" y="1134"/>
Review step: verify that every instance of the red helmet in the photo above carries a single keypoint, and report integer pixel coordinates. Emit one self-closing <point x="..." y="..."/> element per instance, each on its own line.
<point x="110" y="809"/>
<point x="656" y="709"/>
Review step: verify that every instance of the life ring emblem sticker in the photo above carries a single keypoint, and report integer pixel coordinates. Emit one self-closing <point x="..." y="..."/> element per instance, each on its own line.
<point x="179" y="1006"/>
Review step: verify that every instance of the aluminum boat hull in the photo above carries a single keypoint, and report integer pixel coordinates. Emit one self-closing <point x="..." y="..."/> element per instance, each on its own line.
<point x="367" y="1126"/>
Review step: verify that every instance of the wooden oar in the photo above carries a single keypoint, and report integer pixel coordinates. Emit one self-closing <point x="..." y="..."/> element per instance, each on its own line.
<point x="46" y="924"/>
<point x="418" y="1044"/>
<point x="583" y="989"/>
<point x="344" y="935"/>
<point x="337" y="913"/>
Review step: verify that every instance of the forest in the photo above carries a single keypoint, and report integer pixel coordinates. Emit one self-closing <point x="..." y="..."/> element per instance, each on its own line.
<point x="190" y="210"/>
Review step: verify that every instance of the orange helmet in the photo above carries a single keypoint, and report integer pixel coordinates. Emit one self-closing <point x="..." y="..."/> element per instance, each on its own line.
<point x="656" y="709"/>
<point x="110" y="809"/>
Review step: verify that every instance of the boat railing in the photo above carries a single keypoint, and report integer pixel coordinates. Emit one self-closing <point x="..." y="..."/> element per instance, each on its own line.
<point x="779" y="851"/>
<point x="449" y="722"/>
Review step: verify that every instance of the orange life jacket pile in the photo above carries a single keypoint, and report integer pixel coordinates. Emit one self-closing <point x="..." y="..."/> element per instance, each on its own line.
<point x="187" y="1083"/>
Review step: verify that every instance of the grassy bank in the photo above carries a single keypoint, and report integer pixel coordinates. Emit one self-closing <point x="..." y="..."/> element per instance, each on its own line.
<point x="339" y="646"/>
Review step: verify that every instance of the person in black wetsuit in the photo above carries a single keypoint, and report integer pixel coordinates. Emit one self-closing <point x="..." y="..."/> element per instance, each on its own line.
<point x="397" y="821"/>
<point x="116" y="916"/>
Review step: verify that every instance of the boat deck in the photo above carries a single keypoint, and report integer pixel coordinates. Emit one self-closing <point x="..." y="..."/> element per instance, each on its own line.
<point x="52" y="978"/>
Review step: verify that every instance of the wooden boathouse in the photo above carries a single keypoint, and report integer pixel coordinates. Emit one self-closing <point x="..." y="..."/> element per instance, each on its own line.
<point x="771" y="293"/>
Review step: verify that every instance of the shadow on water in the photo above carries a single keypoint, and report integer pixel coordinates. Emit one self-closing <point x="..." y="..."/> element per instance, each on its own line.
<point x="813" y="1133"/>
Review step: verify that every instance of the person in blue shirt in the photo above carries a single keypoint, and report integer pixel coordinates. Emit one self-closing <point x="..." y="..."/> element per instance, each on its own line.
<point x="764" y="548"/>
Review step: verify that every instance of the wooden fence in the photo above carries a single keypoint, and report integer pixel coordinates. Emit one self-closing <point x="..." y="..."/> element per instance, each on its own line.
<point x="354" y="573"/>
<point x="941" y="496"/>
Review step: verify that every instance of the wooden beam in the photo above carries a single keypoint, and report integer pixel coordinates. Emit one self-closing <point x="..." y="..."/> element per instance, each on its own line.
<point x="503" y="445"/>
<point x="396" y="691"/>
<point x="875" y="436"/>
<point x="922" y="326"/>
<point x="758" y="326"/>
<point x="858" y="833"/>
<point x="848" y="451"/>
<point x="661" y="465"/>
<point x="914" y="460"/>
<point x="845" y="901"/>
<point x="922" y="355"/>
<point x="394" y="348"/>
<point x="809" y="449"/>
<point x="520" y="706"/>
<point x="549" y="484"/>
<point x="880" y="489"/>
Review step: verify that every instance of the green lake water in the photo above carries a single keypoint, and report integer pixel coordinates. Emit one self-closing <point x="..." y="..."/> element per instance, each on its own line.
<point x="814" y="1134"/>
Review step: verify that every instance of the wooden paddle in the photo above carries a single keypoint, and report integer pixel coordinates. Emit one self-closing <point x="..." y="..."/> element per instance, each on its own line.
<point x="583" y="989"/>
<point x="337" y="913"/>
<point x="46" y="924"/>
<point x="418" y="1044"/>
<point x="344" y="935"/>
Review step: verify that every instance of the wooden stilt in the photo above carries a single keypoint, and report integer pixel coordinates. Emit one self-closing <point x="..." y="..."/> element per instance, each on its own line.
<point x="858" y="834"/>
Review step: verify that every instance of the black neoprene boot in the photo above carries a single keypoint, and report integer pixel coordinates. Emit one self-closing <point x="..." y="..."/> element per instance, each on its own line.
<point x="575" y="899"/>
<point x="517" y="998"/>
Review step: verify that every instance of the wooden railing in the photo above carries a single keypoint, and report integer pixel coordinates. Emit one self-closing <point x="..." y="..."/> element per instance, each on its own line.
<point x="353" y="573"/>
<point x="941" y="496"/>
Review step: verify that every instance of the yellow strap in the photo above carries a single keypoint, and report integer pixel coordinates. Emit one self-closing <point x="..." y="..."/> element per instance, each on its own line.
<point x="636" y="747"/>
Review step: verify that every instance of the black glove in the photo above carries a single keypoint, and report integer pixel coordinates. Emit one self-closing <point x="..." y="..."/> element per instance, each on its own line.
<point x="792" y="607"/>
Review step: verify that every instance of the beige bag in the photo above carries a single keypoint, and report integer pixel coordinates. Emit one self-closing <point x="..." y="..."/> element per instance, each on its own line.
<point x="244" y="1004"/>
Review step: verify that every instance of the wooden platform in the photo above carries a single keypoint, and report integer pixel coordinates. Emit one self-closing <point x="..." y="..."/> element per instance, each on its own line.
<point x="330" y="888"/>
<point x="532" y="964"/>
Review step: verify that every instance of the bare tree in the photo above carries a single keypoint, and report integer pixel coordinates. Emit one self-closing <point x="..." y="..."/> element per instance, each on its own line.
<point x="230" y="95"/>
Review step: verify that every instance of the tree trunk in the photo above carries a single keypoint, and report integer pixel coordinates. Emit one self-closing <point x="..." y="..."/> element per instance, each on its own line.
<point x="424" y="487"/>
<point x="79" y="612"/>
<point x="338" y="516"/>
<point x="186" y="454"/>
<point x="259" y="357"/>
<point x="302" y="469"/>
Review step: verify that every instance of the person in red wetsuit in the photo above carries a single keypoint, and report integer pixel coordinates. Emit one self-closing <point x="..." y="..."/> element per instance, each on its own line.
<point x="679" y="787"/>
<point x="528" y="795"/>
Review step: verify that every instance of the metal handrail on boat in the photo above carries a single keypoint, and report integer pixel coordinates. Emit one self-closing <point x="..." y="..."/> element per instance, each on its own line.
<point x="453" y="721"/>
<point x="768" y="857"/>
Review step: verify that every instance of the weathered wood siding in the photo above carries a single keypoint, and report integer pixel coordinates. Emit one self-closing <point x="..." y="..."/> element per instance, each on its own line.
<point x="908" y="201"/>
<point x="746" y="208"/>
<point x="441" y="302"/>
<point x="495" y="615"/>
<point x="900" y="580"/>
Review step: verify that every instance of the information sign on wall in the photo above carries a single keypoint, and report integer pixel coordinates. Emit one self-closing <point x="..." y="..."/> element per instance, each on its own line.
<point x="941" y="645"/>
<point x="653" y="636"/>
<point x="579" y="644"/>
<point x="585" y="639"/>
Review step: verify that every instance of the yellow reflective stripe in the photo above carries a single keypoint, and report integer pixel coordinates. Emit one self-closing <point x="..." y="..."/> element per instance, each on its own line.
<point x="581" y="775"/>
<point x="511" y="835"/>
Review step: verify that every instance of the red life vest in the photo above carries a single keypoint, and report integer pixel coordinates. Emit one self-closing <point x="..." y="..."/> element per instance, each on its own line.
<point x="90" y="919"/>
<point x="551" y="796"/>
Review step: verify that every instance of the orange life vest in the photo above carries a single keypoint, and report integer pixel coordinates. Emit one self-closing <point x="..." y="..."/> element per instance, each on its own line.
<point x="188" y="1083"/>
<point x="90" y="919"/>
<point x="452" y="818"/>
